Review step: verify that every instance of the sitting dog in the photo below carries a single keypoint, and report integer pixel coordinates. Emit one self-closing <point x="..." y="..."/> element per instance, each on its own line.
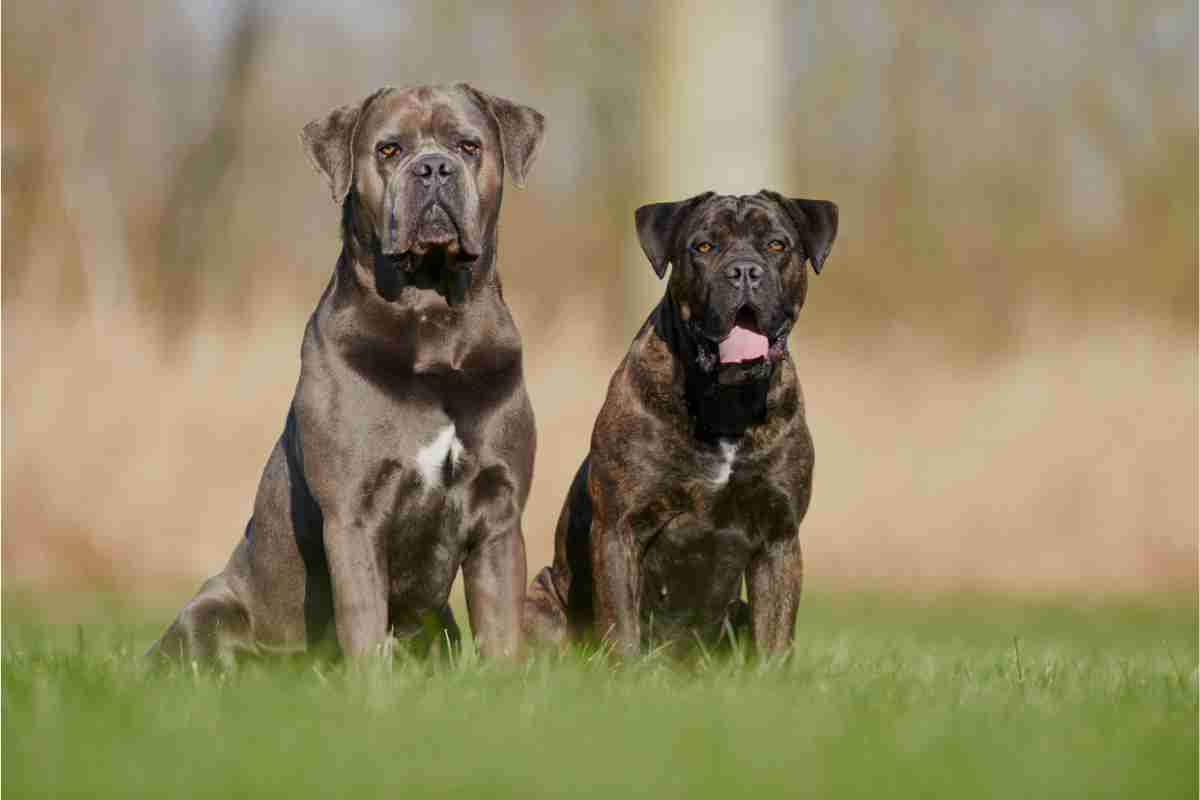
<point x="408" y="449"/>
<point x="700" y="467"/>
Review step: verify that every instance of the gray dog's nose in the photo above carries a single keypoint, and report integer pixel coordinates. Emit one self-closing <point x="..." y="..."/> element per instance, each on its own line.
<point x="427" y="167"/>
<point x="744" y="273"/>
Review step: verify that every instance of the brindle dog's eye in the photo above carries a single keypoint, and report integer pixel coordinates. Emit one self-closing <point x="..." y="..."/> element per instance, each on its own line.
<point x="776" y="246"/>
<point x="704" y="247"/>
<point x="387" y="149"/>
<point x="469" y="148"/>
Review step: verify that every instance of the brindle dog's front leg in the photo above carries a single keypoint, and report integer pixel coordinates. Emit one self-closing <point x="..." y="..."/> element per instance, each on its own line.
<point x="617" y="588"/>
<point x="359" y="579"/>
<point x="773" y="582"/>
<point x="494" y="580"/>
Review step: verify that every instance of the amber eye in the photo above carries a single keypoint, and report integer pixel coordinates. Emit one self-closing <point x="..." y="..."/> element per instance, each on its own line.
<point x="703" y="247"/>
<point x="387" y="149"/>
<point x="469" y="148"/>
<point x="776" y="246"/>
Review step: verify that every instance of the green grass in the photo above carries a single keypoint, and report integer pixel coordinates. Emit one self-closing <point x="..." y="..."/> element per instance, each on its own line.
<point x="880" y="698"/>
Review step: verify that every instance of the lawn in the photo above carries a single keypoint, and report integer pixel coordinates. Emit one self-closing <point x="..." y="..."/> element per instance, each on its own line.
<point x="884" y="696"/>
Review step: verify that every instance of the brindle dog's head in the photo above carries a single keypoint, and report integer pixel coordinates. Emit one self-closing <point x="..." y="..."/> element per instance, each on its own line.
<point x="420" y="171"/>
<point x="739" y="277"/>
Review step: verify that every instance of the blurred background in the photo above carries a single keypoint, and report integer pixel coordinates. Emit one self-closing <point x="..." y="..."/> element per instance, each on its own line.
<point x="999" y="360"/>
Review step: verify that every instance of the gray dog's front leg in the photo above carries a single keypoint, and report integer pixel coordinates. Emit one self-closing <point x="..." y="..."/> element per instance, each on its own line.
<point x="773" y="583"/>
<point x="359" y="587"/>
<point x="494" y="580"/>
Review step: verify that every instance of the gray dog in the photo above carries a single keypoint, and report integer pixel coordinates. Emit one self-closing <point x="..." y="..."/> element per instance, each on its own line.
<point x="700" y="467"/>
<point x="408" y="449"/>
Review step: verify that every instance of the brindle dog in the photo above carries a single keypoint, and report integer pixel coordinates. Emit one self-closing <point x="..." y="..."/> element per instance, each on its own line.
<point x="700" y="467"/>
<point x="408" y="449"/>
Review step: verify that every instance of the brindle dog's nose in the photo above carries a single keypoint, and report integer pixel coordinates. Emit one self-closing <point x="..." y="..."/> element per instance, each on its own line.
<point x="432" y="168"/>
<point x="744" y="274"/>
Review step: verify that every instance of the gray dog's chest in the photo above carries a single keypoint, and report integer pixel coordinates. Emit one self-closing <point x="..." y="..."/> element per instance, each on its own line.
<point x="416" y="459"/>
<point x="403" y="469"/>
<point x="427" y="503"/>
<point x="441" y="462"/>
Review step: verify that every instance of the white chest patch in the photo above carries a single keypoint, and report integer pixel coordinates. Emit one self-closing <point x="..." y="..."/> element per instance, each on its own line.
<point x="439" y="457"/>
<point x="725" y="468"/>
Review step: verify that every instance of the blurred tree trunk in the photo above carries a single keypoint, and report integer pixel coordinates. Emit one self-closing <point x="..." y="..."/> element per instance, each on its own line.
<point x="195" y="209"/>
<point x="706" y="106"/>
<point x="44" y="230"/>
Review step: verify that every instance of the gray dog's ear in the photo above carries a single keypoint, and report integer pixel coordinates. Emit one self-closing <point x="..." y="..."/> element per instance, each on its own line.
<point x="329" y="142"/>
<point x="521" y="131"/>
<point x="817" y="222"/>
<point x="656" y="227"/>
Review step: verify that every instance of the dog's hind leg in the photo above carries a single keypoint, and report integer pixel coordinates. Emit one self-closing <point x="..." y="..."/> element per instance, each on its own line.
<point x="209" y="632"/>
<point x="554" y="612"/>
<point x="545" y="618"/>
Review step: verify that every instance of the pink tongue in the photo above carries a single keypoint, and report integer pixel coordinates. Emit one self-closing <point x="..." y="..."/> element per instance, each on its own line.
<point x="742" y="345"/>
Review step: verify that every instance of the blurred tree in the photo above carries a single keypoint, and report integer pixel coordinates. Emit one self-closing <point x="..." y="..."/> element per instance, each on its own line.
<point x="195" y="210"/>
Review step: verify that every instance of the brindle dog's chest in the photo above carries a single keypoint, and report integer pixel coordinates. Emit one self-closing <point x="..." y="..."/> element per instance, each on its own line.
<point x="692" y="568"/>
<point x="690" y="573"/>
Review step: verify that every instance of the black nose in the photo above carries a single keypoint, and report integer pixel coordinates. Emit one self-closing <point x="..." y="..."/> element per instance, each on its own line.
<point x="433" y="167"/>
<point x="744" y="274"/>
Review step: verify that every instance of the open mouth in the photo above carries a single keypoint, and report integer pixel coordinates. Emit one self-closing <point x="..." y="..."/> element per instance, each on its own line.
<point x="746" y="341"/>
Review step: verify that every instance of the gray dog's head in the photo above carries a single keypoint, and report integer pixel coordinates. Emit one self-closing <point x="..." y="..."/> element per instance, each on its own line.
<point x="421" y="169"/>
<point x="739" y="277"/>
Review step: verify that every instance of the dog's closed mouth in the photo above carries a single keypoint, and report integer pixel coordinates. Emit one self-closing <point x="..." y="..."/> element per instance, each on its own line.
<point x="436" y="248"/>
<point x="435" y="235"/>
<point x="439" y="267"/>
<point x="436" y="231"/>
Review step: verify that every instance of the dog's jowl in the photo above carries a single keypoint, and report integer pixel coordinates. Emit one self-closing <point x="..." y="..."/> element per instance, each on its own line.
<point x="408" y="449"/>
<point x="700" y="467"/>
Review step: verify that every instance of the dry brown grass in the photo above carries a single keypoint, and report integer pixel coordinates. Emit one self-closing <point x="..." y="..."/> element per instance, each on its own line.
<point x="1070" y="466"/>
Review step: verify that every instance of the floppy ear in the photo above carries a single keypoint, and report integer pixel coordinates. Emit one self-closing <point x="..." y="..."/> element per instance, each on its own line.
<point x="656" y="226"/>
<point x="329" y="142"/>
<point x="521" y="130"/>
<point x="817" y="222"/>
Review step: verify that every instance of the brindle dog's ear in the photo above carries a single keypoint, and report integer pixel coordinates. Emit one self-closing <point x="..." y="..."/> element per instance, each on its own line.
<point x="329" y="142"/>
<point x="656" y="227"/>
<point x="521" y="130"/>
<point x="817" y="222"/>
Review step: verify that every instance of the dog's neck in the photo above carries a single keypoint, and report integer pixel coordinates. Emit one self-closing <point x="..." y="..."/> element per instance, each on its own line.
<point x="390" y="332"/>
<point x="723" y="400"/>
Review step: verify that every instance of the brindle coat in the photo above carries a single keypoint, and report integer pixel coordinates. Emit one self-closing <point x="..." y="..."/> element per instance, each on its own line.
<point x="699" y="473"/>
<point x="409" y="446"/>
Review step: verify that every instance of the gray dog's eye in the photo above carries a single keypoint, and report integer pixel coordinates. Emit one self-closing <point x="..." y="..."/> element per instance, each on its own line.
<point x="387" y="149"/>
<point x="776" y="246"/>
<point x="704" y="247"/>
<point x="469" y="148"/>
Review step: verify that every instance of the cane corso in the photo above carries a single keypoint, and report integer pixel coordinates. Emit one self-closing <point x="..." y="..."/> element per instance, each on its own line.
<point x="700" y="467"/>
<point x="408" y="449"/>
